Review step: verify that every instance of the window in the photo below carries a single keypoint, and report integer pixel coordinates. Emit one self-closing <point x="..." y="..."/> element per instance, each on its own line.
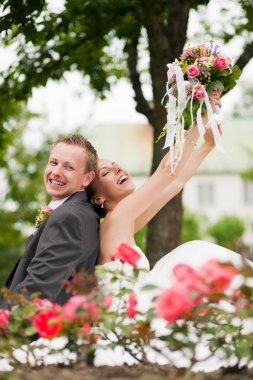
<point x="205" y="194"/>
<point x="248" y="192"/>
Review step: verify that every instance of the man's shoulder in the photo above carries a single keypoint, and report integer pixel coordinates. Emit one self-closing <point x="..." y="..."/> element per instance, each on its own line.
<point x="75" y="206"/>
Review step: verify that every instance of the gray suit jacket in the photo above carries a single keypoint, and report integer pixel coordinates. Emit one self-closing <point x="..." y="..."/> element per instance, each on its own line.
<point x="66" y="241"/>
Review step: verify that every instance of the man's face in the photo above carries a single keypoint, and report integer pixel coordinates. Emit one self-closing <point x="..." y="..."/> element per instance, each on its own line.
<point x="65" y="172"/>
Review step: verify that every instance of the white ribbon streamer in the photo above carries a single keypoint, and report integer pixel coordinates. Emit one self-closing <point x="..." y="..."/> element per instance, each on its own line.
<point x="211" y="120"/>
<point x="200" y="125"/>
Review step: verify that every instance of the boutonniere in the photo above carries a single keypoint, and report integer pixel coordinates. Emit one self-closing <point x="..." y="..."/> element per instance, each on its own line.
<point x="43" y="212"/>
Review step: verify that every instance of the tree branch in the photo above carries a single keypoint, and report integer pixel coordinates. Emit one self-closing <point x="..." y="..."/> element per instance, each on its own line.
<point x="246" y="56"/>
<point x="142" y="104"/>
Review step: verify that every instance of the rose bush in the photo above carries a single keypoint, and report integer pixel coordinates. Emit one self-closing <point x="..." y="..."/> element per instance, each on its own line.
<point x="211" y="302"/>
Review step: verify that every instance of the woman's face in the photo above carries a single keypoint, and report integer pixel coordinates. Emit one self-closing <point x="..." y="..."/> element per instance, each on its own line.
<point x="112" y="183"/>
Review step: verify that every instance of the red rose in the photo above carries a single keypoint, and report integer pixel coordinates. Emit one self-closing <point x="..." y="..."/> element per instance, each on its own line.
<point x="192" y="71"/>
<point x="127" y="255"/>
<point x="48" y="323"/>
<point x="221" y="63"/>
<point x="4" y="319"/>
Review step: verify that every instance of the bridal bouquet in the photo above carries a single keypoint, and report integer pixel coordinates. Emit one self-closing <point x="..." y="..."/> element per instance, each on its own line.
<point x="193" y="76"/>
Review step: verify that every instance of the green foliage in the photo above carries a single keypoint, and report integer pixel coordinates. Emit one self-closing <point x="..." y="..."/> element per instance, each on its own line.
<point x="247" y="175"/>
<point x="192" y="226"/>
<point x="22" y="171"/>
<point x="11" y="243"/>
<point x="227" y="230"/>
<point x="140" y="238"/>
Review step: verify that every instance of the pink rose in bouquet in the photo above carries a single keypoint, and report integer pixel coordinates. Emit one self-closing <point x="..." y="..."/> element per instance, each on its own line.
<point x="192" y="71"/>
<point x="221" y="63"/>
<point x="199" y="92"/>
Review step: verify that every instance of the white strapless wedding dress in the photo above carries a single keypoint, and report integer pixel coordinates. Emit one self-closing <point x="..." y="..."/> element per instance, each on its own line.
<point x="194" y="253"/>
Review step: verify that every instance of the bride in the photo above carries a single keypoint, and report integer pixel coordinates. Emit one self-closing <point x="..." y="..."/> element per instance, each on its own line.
<point x="126" y="211"/>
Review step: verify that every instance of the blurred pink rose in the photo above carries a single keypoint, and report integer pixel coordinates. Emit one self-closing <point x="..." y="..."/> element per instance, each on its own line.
<point x="4" y="319"/>
<point x="190" y="279"/>
<point x="174" y="303"/>
<point x="42" y="303"/>
<point x="107" y="301"/>
<point x="184" y="273"/>
<point x="221" y="63"/>
<point x="217" y="275"/>
<point x="127" y="254"/>
<point x="69" y="310"/>
<point x="192" y="71"/>
<point x="85" y="329"/>
<point x="131" y="304"/>
<point x="92" y="308"/>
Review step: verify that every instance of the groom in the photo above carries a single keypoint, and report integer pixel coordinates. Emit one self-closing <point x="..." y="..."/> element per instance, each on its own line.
<point x="68" y="239"/>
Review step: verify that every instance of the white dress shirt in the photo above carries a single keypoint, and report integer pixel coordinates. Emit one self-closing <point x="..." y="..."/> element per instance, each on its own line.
<point x="57" y="203"/>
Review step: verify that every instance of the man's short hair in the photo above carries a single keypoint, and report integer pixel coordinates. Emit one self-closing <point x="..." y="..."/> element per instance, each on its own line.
<point x="79" y="140"/>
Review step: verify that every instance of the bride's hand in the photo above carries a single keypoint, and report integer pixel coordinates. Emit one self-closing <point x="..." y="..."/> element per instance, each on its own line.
<point x="209" y="137"/>
<point x="214" y="98"/>
<point x="215" y="102"/>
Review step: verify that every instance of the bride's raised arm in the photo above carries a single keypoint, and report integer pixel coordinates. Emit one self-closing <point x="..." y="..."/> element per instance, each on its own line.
<point x="187" y="166"/>
<point x="136" y="209"/>
<point x="185" y="170"/>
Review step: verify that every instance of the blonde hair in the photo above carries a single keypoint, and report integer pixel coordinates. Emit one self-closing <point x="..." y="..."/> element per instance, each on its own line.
<point x="79" y="140"/>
